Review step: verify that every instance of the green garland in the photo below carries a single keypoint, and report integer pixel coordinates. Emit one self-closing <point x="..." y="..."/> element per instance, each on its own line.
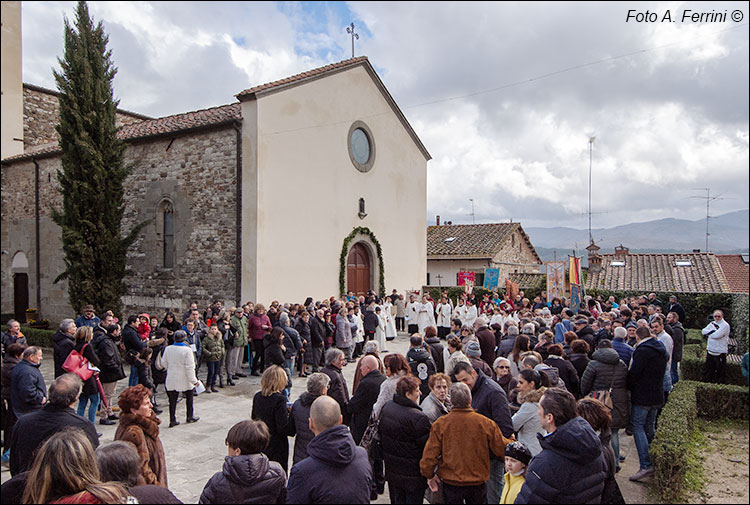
<point x="344" y="254"/>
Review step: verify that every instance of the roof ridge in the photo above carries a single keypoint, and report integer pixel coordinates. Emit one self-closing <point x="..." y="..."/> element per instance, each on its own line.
<point x="299" y="76"/>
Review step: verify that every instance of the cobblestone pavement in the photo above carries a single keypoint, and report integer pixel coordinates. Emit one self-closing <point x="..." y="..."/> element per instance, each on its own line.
<point x="195" y="452"/>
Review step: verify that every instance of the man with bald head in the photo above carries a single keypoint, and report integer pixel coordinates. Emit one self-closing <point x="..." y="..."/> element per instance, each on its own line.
<point x="360" y="405"/>
<point x="336" y="470"/>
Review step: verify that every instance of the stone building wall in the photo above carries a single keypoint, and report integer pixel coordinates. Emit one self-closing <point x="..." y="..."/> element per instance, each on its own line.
<point x="41" y="111"/>
<point x="197" y="173"/>
<point x="515" y="256"/>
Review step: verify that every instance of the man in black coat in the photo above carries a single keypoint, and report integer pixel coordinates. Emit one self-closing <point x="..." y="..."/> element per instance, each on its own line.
<point x="489" y="399"/>
<point x="675" y="306"/>
<point x="337" y="389"/>
<point x="132" y="342"/>
<point x="28" y="391"/>
<point x="487" y="342"/>
<point x="319" y="332"/>
<point x="361" y="403"/>
<point x="110" y="364"/>
<point x="370" y="322"/>
<point x="33" y="429"/>
<point x="571" y="467"/>
<point x="63" y="342"/>
<point x="645" y="381"/>
<point x="585" y="332"/>
<point x="678" y="339"/>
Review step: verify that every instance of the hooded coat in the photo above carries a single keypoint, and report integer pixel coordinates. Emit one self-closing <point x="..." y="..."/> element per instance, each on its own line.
<point x="567" y="372"/>
<point x="361" y="403"/>
<point x="143" y="432"/>
<point x="422" y="367"/>
<point x="646" y="373"/>
<point x="336" y="471"/>
<point x="249" y="478"/>
<point x="606" y="370"/>
<point x="575" y="447"/>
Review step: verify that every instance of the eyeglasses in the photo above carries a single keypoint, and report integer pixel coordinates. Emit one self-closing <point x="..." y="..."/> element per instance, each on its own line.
<point x="717" y="317"/>
<point x="504" y="367"/>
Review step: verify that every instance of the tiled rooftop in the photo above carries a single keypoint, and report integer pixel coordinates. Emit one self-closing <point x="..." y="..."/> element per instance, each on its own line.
<point x="153" y="127"/>
<point x="470" y="240"/>
<point x="658" y="272"/>
<point x="736" y="271"/>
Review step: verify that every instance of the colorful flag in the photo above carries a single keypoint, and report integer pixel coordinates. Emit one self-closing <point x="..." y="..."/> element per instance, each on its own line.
<point x="491" y="277"/>
<point x="574" y="269"/>
<point x="575" y="298"/>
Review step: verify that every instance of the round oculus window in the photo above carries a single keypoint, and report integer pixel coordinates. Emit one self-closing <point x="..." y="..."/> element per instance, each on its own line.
<point x="360" y="146"/>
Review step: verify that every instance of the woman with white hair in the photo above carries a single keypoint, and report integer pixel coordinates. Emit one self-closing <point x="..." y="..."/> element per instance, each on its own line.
<point x="503" y="377"/>
<point x="317" y="385"/>
<point x="179" y="362"/>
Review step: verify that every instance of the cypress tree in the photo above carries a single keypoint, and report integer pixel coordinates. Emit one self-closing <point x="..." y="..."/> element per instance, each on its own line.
<point x="93" y="171"/>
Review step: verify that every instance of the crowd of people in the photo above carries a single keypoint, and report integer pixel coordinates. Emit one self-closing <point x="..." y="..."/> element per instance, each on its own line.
<point x="496" y="401"/>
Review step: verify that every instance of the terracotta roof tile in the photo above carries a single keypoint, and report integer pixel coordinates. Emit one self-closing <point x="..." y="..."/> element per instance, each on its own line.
<point x="736" y="271"/>
<point x="471" y="240"/>
<point x="152" y="127"/>
<point x="528" y="280"/>
<point x="301" y="76"/>
<point x="658" y="272"/>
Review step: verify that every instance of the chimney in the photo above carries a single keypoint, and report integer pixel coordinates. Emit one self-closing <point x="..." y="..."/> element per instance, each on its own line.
<point x="621" y="250"/>
<point x="438" y="220"/>
<point x="696" y="250"/>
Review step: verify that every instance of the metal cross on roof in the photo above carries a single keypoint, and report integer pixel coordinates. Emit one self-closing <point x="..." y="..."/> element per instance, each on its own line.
<point x="350" y="29"/>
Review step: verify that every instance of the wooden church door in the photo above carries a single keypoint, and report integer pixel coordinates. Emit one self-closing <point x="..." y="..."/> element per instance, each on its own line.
<point x="358" y="270"/>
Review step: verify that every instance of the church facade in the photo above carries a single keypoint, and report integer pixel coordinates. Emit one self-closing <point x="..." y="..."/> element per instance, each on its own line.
<point x="302" y="187"/>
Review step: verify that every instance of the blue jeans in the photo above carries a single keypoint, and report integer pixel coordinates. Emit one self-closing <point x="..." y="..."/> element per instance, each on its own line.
<point x="667" y="382"/>
<point x="83" y="400"/>
<point x="497" y="480"/>
<point x="675" y="372"/>
<point x="643" y="419"/>
<point x="213" y="371"/>
<point x="133" y="380"/>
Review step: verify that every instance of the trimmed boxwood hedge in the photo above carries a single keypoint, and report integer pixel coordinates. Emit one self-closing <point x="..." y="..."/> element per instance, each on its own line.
<point x="41" y="338"/>
<point x="669" y="450"/>
<point x="691" y="368"/>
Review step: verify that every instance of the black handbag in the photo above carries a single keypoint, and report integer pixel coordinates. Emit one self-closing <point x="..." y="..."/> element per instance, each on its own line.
<point x="371" y="438"/>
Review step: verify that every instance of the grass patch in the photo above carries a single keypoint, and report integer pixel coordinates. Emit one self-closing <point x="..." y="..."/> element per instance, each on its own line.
<point x="695" y="476"/>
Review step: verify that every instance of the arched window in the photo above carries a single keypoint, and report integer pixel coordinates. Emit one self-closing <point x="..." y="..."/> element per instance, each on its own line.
<point x="165" y="230"/>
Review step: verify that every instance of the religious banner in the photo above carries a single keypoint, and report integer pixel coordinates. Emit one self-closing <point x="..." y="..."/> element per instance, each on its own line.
<point x="466" y="276"/>
<point x="555" y="280"/>
<point x="491" y="277"/>
<point x="575" y="269"/>
<point x="511" y="290"/>
<point x="575" y="298"/>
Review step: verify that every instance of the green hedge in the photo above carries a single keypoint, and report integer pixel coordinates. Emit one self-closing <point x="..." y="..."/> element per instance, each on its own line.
<point x="4" y="318"/>
<point x="715" y="401"/>
<point x="670" y="448"/>
<point x="691" y="368"/>
<point x="694" y="350"/>
<point x="41" y="338"/>
<point x="671" y="451"/>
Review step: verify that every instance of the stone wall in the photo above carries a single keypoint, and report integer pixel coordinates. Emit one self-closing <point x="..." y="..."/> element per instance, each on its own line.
<point x="515" y="256"/>
<point x="197" y="173"/>
<point x="41" y="111"/>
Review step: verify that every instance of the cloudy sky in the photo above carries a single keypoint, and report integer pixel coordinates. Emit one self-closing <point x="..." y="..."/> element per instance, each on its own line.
<point x="504" y="95"/>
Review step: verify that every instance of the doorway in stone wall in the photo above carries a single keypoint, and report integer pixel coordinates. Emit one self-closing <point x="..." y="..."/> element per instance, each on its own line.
<point x="358" y="270"/>
<point x="20" y="296"/>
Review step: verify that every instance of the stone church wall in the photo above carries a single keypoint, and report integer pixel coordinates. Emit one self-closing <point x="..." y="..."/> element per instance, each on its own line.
<point x="197" y="174"/>
<point x="41" y="111"/>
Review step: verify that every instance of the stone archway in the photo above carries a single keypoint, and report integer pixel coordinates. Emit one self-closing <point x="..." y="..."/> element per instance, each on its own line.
<point x="20" y="270"/>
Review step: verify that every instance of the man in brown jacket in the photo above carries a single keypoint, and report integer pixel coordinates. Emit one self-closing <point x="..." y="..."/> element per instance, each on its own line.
<point x="457" y="451"/>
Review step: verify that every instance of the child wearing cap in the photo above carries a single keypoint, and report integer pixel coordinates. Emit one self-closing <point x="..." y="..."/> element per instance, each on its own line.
<point x="517" y="458"/>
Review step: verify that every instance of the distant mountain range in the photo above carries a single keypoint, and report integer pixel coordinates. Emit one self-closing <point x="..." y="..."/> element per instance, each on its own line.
<point x="729" y="233"/>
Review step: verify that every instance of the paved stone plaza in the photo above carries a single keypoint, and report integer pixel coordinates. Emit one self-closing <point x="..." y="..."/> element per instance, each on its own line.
<point x="195" y="452"/>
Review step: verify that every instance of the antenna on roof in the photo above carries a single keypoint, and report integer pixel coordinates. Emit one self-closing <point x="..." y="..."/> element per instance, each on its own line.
<point x="472" y="211"/>
<point x="708" y="198"/>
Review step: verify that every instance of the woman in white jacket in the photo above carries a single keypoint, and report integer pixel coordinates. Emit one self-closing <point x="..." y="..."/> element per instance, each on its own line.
<point x="179" y="363"/>
<point x="526" y="421"/>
